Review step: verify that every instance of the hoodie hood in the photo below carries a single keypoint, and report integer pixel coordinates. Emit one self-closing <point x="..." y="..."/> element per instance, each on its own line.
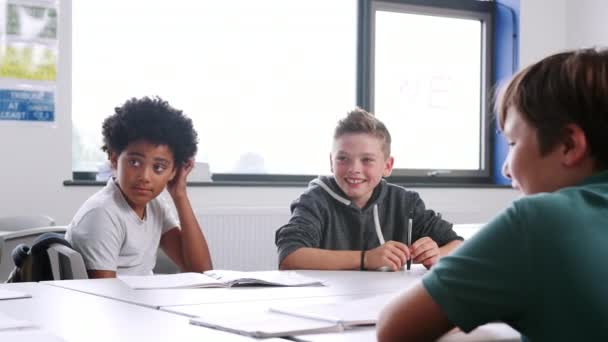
<point x="330" y="186"/>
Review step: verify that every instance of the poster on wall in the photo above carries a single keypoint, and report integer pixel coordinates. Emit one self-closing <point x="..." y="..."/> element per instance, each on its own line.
<point x="28" y="59"/>
<point x="26" y="105"/>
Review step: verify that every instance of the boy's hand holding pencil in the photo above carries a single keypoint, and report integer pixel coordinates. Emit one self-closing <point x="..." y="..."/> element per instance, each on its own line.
<point x="392" y="254"/>
<point x="425" y="251"/>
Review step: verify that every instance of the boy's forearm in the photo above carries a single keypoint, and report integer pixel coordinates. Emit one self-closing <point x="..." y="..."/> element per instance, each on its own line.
<point x="98" y="274"/>
<point x="413" y="316"/>
<point x="195" y="252"/>
<point x="321" y="259"/>
<point x="449" y="247"/>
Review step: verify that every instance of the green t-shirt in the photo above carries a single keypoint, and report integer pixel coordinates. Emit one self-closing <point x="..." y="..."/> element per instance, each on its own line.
<point x="540" y="266"/>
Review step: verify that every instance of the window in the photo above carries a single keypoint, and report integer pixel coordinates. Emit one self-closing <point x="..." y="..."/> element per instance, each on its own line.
<point x="428" y="80"/>
<point x="265" y="81"/>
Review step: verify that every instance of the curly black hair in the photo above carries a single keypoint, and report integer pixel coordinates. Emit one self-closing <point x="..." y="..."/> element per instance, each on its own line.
<point x="152" y="120"/>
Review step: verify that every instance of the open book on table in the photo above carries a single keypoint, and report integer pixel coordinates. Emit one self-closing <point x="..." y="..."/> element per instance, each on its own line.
<point x="218" y="278"/>
<point x="9" y="323"/>
<point x="301" y="319"/>
<point x="265" y="324"/>
<point x="349" y="314"/>
<point x="9" y="294"/>
<point x="270" y="278"/>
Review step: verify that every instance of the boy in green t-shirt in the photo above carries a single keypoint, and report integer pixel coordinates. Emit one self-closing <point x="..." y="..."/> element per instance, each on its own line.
<point x="540" y="265"/>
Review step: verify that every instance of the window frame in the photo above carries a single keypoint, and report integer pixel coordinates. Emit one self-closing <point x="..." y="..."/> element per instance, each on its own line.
<point x="463" y="9"/>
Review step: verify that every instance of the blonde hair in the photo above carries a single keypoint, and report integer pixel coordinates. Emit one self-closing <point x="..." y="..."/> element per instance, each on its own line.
<point x="361" y="121"/>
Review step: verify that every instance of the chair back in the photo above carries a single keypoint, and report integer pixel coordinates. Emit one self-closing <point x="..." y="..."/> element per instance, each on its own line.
<point x="66" y="263"/>
<point x="12" y="239"/>
<point x="14" y="223"/>
<point x="164" y="265"/>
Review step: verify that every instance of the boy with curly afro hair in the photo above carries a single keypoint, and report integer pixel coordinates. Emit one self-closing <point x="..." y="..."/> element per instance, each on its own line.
<point x="118" y="230"/>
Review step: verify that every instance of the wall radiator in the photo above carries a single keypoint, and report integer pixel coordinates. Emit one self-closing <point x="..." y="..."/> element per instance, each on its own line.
<point x="243" y="238"/>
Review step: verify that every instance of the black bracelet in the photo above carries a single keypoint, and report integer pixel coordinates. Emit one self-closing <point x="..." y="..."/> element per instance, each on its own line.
<point x="362" y="267"/>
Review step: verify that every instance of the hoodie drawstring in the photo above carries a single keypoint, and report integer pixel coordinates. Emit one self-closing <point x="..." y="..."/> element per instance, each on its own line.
<point x="377" y="224"/>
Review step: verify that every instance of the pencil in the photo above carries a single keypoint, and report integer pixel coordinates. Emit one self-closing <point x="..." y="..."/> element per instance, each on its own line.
<point x="409" y="241"/>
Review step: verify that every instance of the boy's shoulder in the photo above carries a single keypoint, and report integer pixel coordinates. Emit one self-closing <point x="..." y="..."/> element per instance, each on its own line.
<point x="398" y="191"/>
<point x="108" y="200"/>
<point x="317" y="191"/>
<point x="565" y="198"/>
<point x="571" y="205"/>
<point x="101" y="198"/>
<point x="592" y="191"/>
<point x="558" y="219"/>
<point x="541" y="203"/>
<point x="322" y="192"/>
<point x="111" y="199"/>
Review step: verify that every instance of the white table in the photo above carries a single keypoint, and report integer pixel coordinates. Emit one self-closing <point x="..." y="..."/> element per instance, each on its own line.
<point x="345" y="286"/>
<point x="489" y="332"/>
<point x="253" y="307"/>
<point x="341" y="286"/>
<point x="467" y="230"/>
<point x="339" y="283"/>
<point x="75" y="316"/>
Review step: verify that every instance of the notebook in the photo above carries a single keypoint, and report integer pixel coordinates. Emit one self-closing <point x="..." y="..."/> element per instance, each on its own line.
<point x="269" y="278"/>
<point x="218" y="278"/>
<point x="9" y="294"/>
<point x="9" y="323"/>
<point x="170" y="281"/>
<point x="349" y="314"/>
<point x="266" y="324"/>
<point x="29" y="335"/>
<point x="281" y="321"/>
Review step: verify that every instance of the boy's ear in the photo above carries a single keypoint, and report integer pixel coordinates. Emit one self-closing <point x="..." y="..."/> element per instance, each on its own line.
<point x="388" y="166"/>
<point x="331" y="163"/>
<point x="575" y="146"/>
<point x="173" y="172"/>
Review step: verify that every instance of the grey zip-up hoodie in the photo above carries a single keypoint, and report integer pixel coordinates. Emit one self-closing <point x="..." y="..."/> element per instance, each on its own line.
<point x="322" y="217"/>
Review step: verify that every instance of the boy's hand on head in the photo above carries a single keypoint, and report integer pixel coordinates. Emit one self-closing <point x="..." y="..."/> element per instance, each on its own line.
<point x="177" y="186"/>
<point x="425" y="251"/>
<point x="392" y="254"/>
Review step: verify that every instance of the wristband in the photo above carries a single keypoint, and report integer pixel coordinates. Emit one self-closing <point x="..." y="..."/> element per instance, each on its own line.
<point x="362" y="267"/>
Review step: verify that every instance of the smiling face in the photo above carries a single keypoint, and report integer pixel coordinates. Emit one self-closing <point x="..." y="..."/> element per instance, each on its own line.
<point x="142" y="172"/>
<point x="358" y="164"/>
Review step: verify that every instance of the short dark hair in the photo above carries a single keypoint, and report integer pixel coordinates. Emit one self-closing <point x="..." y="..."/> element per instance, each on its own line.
<point x="361" y="121"/>
<point x="566" y="88"/>
<point x="152" y="120"/>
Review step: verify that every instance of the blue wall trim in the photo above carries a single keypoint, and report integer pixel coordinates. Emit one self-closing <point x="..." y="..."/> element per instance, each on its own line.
<point x="506" y="55"/>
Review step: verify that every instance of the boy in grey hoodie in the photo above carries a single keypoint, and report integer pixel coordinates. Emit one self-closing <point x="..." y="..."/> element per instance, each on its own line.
<point x="355" y="219"/>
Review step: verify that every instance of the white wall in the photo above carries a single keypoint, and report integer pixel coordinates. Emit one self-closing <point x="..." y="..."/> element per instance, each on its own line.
<point x="586" y="23"/>
<point x="549" y="26"/>
<point x="542" y="29"/>
<point x="35" y="158"/>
